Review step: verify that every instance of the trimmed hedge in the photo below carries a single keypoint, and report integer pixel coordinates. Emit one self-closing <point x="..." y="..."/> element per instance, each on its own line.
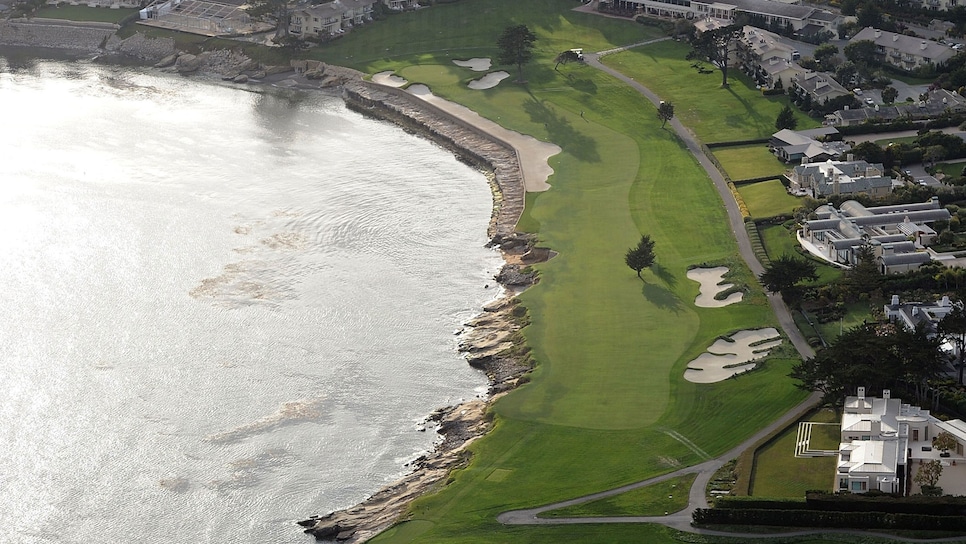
<point x="862" y="502"/>
<point x="749" y="181"/>
<point x="736" y="143"/>
<point x="834" y="520"/>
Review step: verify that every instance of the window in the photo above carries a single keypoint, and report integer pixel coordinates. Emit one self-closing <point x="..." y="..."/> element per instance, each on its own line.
<point x="858" y="486"/>
<point x="866" y="437"/>
<point x="843" y="484"/>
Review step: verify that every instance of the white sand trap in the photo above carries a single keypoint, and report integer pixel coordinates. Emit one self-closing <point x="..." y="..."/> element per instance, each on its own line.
<point x="710" y="280"/>
<point x="488" y="81"/>
<point x="388" y="79"/>
<point x="476" y="64"/>
<point x="533" y="153"/>
<point x="738" y="356"/>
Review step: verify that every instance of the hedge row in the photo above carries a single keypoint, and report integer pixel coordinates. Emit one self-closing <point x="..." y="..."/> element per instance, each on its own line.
<point x="864" y="502"/>
<point x="749" y="181"/>
<point x="735" y="143"/>
<point x="745" y="214"/>
<point x="834" y="520"/>
<point x="757" y="245"/>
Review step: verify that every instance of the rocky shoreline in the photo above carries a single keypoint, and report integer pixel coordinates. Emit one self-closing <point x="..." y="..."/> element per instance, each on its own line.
<point x="492" y="344"/>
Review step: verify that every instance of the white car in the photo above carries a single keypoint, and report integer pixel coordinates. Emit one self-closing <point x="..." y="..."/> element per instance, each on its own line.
<point x="869" y="101"/>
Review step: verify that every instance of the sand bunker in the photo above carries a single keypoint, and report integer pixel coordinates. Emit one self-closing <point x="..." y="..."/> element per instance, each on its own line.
<point x="388" y="79"/>
<point x="488" y="81"/>
<point x="710" y="280"/>
<point x="737" y="356"/>
<point x="475" y="64"/>
<point x="533" y="153"/>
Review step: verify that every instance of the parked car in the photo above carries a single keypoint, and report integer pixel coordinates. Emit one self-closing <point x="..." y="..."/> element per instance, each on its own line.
<point x="857" y="91"/>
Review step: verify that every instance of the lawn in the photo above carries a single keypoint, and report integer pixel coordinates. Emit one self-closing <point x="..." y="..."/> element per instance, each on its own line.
<point x="716" y="114"/>
<point x="607" y="404"/>
<point x="951" y="169"/>
<point x="856" y="314"/>
<point x="84" y="13"/>
<point x="654" y="500"/>
<point x="768" y="199"/>
<point x="898" y="140"/>
<point x="749" y="161"/>
<point x="778" y="473"/>
<point x="778" y="241"/>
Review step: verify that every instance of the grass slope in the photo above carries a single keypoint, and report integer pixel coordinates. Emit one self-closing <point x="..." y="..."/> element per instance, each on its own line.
<point x="749" y="161"/>
<point x="768" y="199"/>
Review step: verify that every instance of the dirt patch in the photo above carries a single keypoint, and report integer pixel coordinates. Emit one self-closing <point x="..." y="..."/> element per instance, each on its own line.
<point x="710" y="280"/>
<point x="727" y="358"/>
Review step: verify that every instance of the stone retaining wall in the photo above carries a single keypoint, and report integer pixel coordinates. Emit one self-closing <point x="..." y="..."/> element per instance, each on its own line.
<point x="56" y="36"/>
<point x="467" y="141"/>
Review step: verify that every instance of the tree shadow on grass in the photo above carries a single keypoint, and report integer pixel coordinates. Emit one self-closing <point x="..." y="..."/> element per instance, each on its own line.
<point x="662" y="297"/>
<point x="561" y="132"/>
<point x="664" y="274"/>
<point x="743" y="115"/>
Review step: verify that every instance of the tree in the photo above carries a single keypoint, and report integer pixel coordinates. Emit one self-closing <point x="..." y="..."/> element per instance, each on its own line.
<point x="928" y="476"/>
<point x="276" y="8"/>
<point x="824" y="54"/>
<point x="944" y="441"/>
<point x="566" y="57"/>
<point x="889" y="95"/>
<point x="640" y="257"/>
<point x="877" y="356"/>
<point x="716" y="46"/>
<point x="952" y="328"/>
<point x="862" y="52"/>
<point x="786" y="271"/>
<point x="516" y="47"/>
<point x="665" y="111"/>
<point x="786" y="119"/>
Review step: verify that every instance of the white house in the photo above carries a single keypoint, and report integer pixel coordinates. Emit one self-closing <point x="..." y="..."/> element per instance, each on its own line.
<point x="897" y="234"/>
<point x="840" y="178"/>
<point x="883" y="441"/>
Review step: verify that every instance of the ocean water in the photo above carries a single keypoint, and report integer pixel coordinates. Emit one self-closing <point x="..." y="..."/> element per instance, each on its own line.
<point x="223" y="309"/>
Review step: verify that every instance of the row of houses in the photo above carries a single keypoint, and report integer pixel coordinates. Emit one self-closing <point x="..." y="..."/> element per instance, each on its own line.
<point x="325" y="20"/>
<point x="802" y="19"/>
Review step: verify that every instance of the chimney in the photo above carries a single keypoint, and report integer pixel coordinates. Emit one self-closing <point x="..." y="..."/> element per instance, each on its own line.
<point x="886" y="394"/>
<point x="849" y="157"/>
<point x="895" y="37"/>
<point x="878" y="33"/>
<point x="861" y="392"/>
<point x="922" y="46"/>
<point x="945" y="303"/>
<point x="895" y="300"/>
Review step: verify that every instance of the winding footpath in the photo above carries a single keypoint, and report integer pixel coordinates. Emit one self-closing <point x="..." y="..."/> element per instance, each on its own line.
<point x="705" y="471"/>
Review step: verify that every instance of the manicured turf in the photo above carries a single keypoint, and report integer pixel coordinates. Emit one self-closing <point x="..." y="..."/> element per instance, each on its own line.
<point x="952" y="169"/>
<point x="654" y="500"/>
<point x="84" y="13"/>
<point x="768" y="199"/>
<point x="738" y="112"/>
<point x="749" y="161"/>
<point x="898" y="140"/>
<point x="857" y="313"/>
<point x="779" y="474"/>
<point x="607" y="404"/>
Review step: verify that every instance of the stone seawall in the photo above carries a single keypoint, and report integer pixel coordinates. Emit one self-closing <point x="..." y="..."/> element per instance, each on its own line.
<point x="468" y="142"/>
<point x="56" y="36"/>
<point x="81" y="36"/>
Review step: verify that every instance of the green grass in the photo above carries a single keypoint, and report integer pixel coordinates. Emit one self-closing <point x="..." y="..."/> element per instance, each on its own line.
<point x="856" y="314"/>
<point x="84" y="13"/>
<point x="768" y="199"/>
<point x="607" y="404"/>
<point x="654" y="500"/>
<point x="779" y="474"/>
<point x="778" y="241"/>
<point x="749" y="161"/>
<point x="898" y="140"/>
<point x="455" y="31"/>
<point x="954" y="169"/>
<point x="739" y="112"/>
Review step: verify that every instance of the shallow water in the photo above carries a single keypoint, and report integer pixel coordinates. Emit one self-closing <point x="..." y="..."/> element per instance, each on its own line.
<point x="224" y="309"/>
